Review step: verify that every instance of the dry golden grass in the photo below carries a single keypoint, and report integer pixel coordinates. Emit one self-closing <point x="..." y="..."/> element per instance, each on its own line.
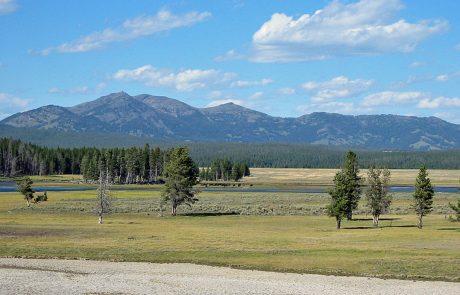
<point x="297" y="176"/>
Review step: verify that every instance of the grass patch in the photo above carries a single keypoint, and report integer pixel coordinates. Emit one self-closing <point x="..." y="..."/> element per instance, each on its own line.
<point x="212" y="203"/>
<point x="271" y="231"/>
<point x="289" y="177"/>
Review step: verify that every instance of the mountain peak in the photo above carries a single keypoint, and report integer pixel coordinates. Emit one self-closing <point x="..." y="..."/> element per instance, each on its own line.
<point x="228" y="106"/>
<point x="115" y="95"/>
<point x="111" y="99"/>
<point x="119" y="93"/>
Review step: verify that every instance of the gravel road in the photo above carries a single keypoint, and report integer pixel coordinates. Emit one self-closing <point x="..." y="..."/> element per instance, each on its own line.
<point x="48" y="276"/>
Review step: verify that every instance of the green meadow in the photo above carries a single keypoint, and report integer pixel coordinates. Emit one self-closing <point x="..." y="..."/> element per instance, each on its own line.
<point x="276" y="231"/>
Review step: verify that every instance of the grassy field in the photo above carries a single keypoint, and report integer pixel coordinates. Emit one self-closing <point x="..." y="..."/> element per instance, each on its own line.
<point x="278" y="178"/>
<point x="267" y="231"/>
<point x="303" y="177"/>
<point x="213" y="203"/>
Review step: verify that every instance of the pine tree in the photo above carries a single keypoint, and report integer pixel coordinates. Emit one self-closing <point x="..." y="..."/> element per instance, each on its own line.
<point x="247" y="172"/>
<point x="423" y="196"/>
<point x="145" y="164"/>
<point x="339" y="201"/>
<point x="237" y="172"/>
<point x="378" y="198"/>
<point x="456" y="208"/>
<point x="181" y="176"/>
<point x="25" y="188"/>
<point x="353" y="183"/>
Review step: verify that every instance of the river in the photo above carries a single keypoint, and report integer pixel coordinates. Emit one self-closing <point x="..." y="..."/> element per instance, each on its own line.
<point x="11" y="187"/>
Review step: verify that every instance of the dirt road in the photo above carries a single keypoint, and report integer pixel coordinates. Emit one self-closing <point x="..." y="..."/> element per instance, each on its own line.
<point x="34" y="276"/>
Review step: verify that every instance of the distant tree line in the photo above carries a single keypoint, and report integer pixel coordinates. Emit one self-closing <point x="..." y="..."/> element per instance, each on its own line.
<point x="279" y="155"/>
<point x="225" y="170"/>
<point x="131" y="165"/>
<point x="125" y="166"/>
<point x="119" y="165"/>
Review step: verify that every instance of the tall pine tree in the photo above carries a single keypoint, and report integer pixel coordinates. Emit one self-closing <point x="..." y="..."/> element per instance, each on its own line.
<point x="423" y="196"/>
<point x="339" y="205"/>
<point x="181" y="176"/>
<point x="377" y="196"/>
<point x="352" y="183"/>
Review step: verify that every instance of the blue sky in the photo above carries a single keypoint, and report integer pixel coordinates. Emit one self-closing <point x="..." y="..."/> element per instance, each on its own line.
<point x="285" y="58"/>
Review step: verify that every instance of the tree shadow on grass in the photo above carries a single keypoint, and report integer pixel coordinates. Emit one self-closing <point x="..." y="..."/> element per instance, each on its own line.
<point x="450" y="228"/>
<point x="370" y="219"/>
<point x="384" y="226"/>
<point x="206" y="214"/>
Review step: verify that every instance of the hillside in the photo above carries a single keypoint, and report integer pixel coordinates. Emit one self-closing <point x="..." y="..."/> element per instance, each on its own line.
<point x="165" y="119"/>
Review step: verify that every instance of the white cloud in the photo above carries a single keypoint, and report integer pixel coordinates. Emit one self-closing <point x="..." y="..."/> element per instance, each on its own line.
<point x="100" y="87"/>
<point x="420" y="99"/>
<point x="218" y="102"/>
<point x="438" y="102"/>
<point x="442" y="77"/>
<point x="256" y="95"/>
<point x="8" y="99"/>
<point x="10" y="104"/>
<point x="417" y="64"/>
<point x="262" y="82"/>
<point x="363" y="27"/>
<point x="7" y="6"/>
<point x="185" y="80"/>
<point x="131" y="29"/>
<point x="78" y="90"/>
<point x="286" y="91"/>
<point x="232" y="54"/>
<point x="215" y="94"/>
<point x="54" y="90"/>
<point x="458" y="46"/>
<point x="426" y="78"/>
<point x="392" y="97"/>
<point x="338" y="87"/>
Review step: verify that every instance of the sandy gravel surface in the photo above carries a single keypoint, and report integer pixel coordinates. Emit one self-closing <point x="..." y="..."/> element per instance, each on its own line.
<point x="35" y="276"/>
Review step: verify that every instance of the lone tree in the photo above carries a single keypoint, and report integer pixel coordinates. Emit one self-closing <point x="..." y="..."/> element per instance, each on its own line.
<point x="377" y="196"/>
<point x="339" y="204"/>
<point x="24" y="186"/>
<point x="103" y="195"/>
<point x="456" y="208"/>
<point x="181" y="175"/>
<point x="352" y="184"/>
<point x="423" y="196"/>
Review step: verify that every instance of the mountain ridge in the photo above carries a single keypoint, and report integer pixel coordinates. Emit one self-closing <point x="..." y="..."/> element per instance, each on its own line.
<point x="165" y="118"/>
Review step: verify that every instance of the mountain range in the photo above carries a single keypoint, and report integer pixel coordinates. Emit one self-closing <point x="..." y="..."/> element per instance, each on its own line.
<point x="163" y="118"/>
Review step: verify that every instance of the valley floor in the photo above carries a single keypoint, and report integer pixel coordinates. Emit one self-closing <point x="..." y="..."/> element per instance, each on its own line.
<point x="283" y="232"/>
<point x="48" y="276"/>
